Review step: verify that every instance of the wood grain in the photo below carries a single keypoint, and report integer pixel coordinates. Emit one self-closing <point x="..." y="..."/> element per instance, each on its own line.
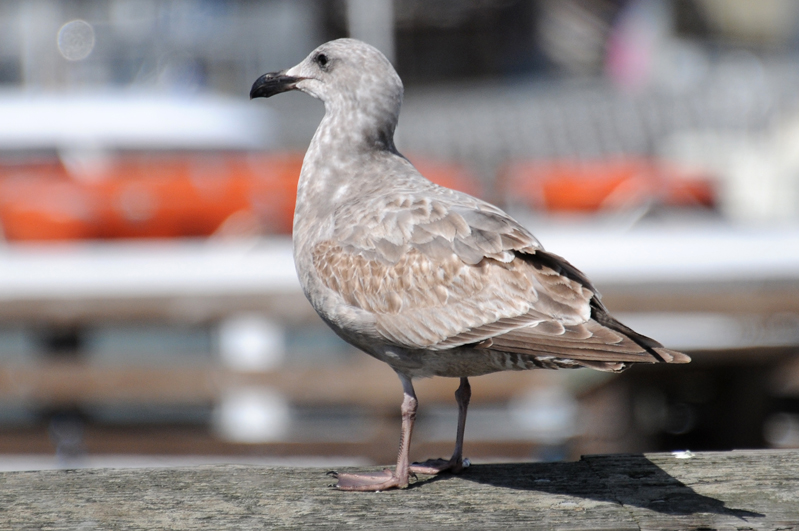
<point x="713" y="490"/>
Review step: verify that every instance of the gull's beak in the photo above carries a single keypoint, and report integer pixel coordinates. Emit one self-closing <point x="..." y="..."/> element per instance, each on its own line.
<point x="273" y="83"/>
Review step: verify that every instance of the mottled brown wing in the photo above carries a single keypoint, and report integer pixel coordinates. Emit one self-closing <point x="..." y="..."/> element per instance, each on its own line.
<point x="438" y="276"/>
<point x="428" y="271"/>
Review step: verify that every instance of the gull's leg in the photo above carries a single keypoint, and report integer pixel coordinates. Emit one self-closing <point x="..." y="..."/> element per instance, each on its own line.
<point x="456" y="463"/>
<point x="388" y="479"/>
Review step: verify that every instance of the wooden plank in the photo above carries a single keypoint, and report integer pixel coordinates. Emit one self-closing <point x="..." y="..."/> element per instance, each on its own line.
<point x="378" y="445"/>
<point x="362" y="382"/>
<point x="368" y="382"/>
<point x="714" y="490"/>
<point x="755" y="489"/>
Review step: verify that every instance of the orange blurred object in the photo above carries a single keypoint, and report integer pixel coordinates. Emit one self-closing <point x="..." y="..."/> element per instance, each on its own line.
<point x="163" y="196"/>
<point x="589" y="186"/>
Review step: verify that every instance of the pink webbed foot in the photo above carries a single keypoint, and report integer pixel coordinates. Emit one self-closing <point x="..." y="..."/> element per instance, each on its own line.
<point x="369" y="481"/>
<point x="436" y="466"/>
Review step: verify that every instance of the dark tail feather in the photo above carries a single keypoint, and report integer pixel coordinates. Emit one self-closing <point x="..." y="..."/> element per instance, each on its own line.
<point x="662" y="354"/>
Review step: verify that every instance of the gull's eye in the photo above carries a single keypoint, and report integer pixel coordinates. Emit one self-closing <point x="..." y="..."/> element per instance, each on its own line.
<point x="322" y="60"/>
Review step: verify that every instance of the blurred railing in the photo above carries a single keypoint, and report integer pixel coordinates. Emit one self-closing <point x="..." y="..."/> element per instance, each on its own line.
<point x="250" y="391"/>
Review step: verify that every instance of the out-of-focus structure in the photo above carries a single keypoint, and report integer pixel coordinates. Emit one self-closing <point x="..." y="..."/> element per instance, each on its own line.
<point x="148" y="303"/>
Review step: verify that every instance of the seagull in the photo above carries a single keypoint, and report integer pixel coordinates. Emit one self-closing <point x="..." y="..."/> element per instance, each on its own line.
<point x="431" y="281"/>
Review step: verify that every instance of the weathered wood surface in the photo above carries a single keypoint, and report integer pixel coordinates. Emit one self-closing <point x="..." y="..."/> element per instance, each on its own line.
<point x="714" y="490"/>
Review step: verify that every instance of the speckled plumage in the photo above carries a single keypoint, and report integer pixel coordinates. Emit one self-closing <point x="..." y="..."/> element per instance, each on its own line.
<point x="432" y="281"/>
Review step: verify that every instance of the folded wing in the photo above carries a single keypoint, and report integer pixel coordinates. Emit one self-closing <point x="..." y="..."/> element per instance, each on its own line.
<point x="443" y="274"/>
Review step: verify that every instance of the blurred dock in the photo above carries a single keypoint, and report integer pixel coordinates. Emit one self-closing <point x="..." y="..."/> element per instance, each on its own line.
<point x="84" y="313"/>
<point x="149" y="309"/>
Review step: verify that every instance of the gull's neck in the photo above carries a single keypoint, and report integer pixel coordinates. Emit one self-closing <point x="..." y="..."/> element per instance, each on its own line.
<point x="349" y="137"/>
<point x="351" y="127"/>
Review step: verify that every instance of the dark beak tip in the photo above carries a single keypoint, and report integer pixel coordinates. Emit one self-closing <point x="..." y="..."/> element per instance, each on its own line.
<point x="272" y="83"/>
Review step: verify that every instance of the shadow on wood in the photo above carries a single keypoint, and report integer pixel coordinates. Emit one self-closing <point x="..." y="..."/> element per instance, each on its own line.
<point x="628" y="480"/>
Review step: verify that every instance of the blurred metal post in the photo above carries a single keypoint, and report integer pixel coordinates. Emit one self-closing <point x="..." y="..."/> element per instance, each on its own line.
<point x="372" y="21"/>
<point x="248" y="413"/>
<point x="38" y="26"/>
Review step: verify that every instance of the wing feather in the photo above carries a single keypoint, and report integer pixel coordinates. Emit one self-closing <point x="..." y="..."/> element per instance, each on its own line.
<point x="436" y="276"/>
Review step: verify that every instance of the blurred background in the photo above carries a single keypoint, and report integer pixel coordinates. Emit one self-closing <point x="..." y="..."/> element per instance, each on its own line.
<point x="149" y="309"/>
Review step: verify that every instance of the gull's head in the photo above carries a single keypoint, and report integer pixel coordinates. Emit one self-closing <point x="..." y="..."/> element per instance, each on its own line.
<point x="345" y="73"/>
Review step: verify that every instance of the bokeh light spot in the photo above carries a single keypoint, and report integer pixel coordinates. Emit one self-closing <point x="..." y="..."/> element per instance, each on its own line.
<point x="76" y="40"/>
